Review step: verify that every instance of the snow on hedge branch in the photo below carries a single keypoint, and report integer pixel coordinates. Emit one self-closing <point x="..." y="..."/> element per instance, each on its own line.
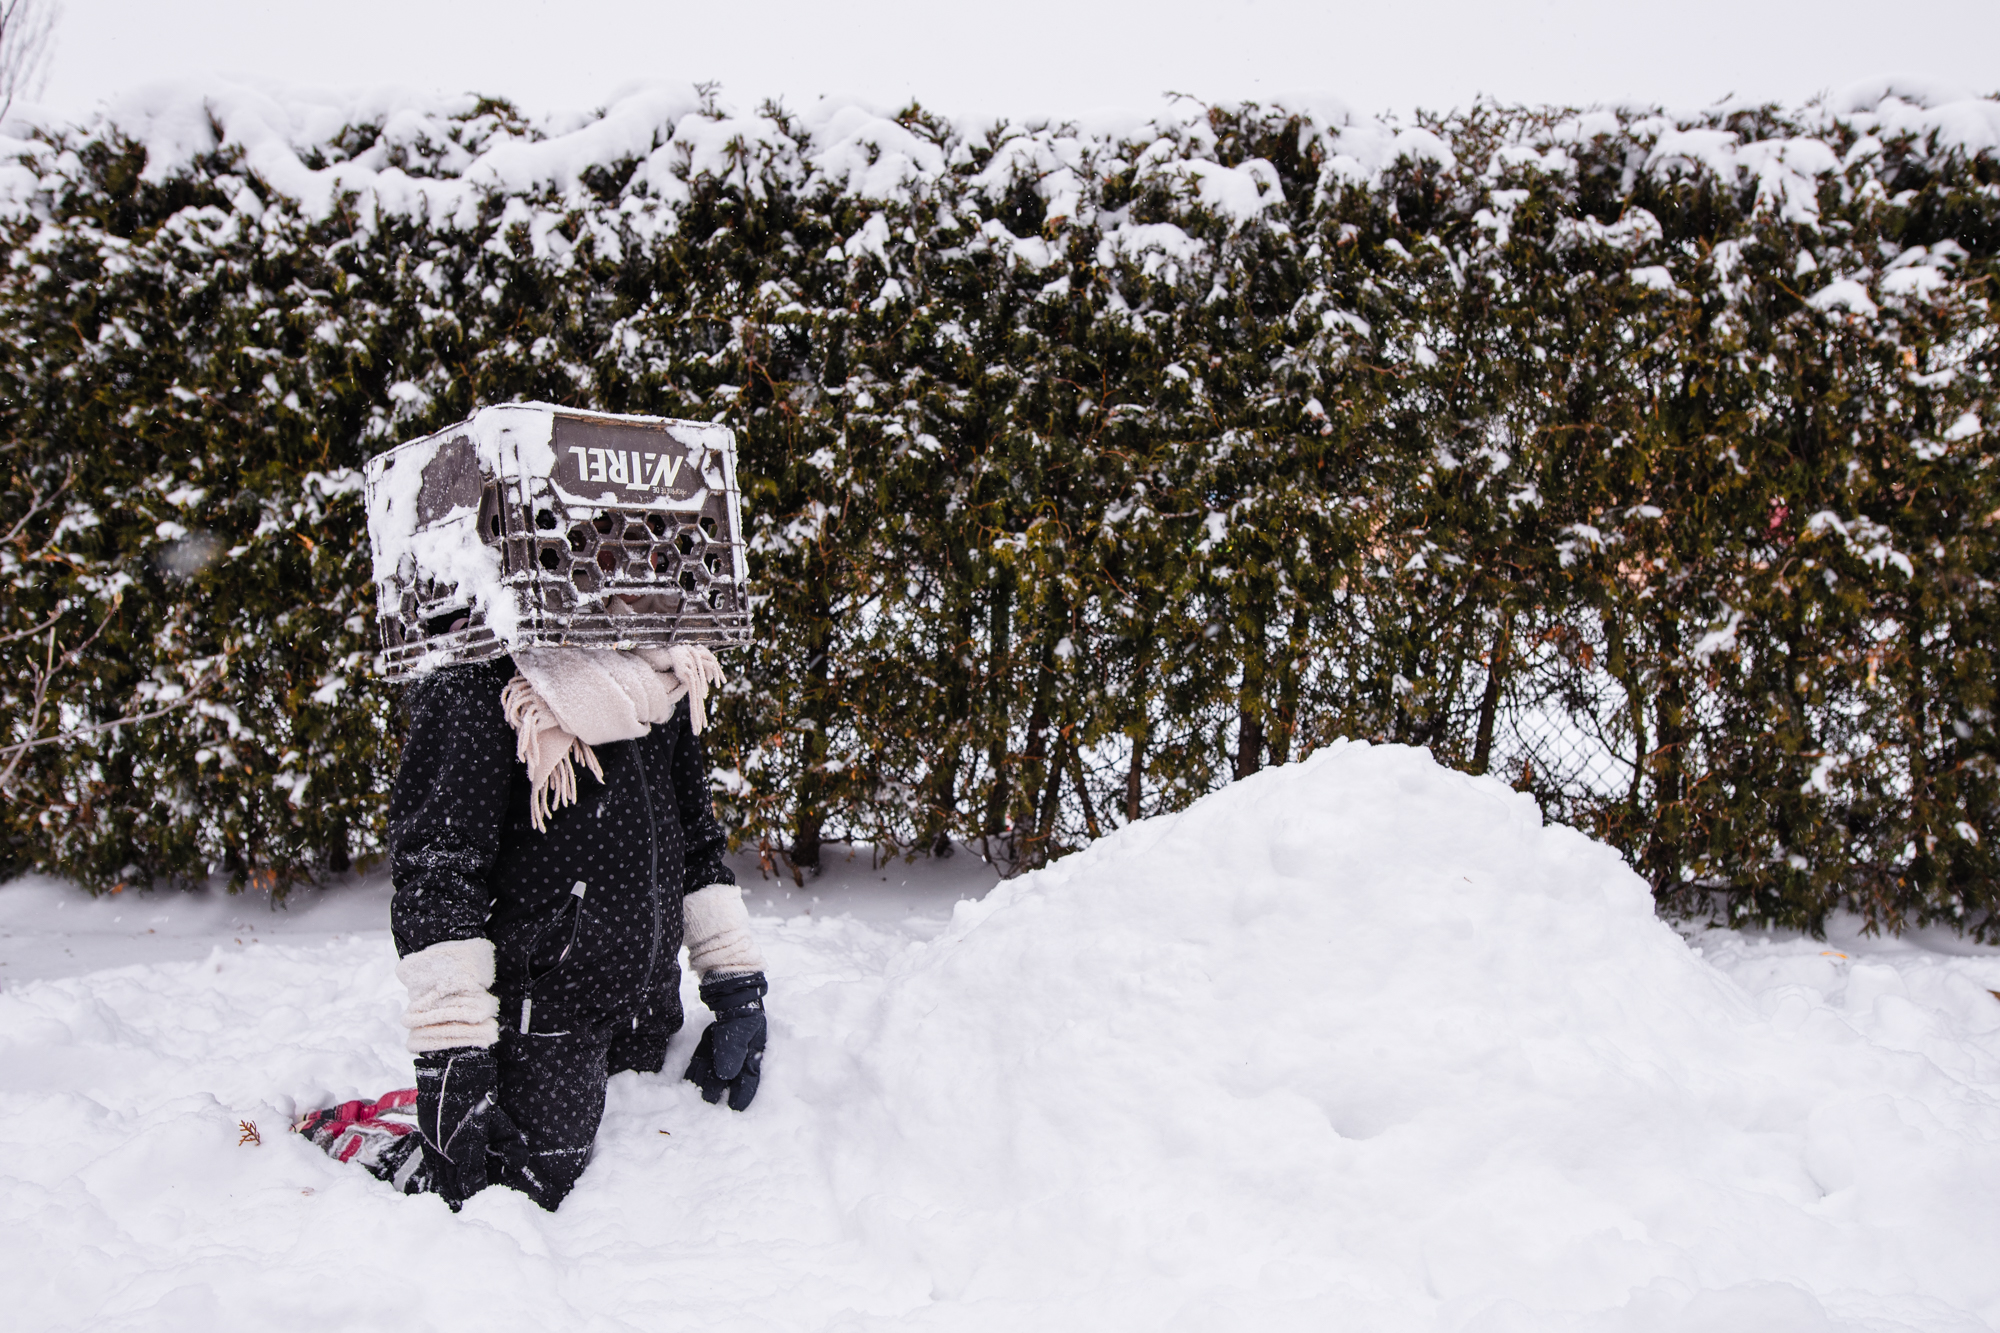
<point x="1090" y="464"/>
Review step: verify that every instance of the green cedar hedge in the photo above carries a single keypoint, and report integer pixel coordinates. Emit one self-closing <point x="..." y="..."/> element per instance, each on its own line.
<point x="1642" y="460"/>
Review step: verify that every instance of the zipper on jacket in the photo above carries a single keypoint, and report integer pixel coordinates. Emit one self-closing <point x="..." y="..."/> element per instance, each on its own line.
<point x="653" y="871"/>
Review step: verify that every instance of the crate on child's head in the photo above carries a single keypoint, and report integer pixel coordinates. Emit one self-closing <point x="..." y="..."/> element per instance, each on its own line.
<point x="530" y="525"/>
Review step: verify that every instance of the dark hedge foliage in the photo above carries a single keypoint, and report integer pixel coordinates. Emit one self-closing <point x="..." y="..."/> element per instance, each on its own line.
<point x="1644" y="462"/>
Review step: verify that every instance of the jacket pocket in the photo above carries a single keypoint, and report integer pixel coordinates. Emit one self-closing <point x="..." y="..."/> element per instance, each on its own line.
<point x="555" y="938"/>
<point x="552" y="944"/>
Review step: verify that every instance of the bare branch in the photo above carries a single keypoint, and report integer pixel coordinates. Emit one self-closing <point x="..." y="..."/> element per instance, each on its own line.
<point x="116" y="602"/>
<point x="39" y="501"/>
<point x="34" y="630"/>
<point x="19" y="751"/>
<point x="14" y="753"/>
<point x="27" y="39"/>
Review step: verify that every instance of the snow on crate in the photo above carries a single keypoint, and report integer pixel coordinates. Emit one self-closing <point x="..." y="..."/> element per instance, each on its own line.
<point x="1354" y="1043"/>
<point x="529" y="524"/>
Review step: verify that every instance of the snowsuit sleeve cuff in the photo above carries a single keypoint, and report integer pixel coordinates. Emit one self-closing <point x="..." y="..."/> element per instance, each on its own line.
<point x="717" y="928"/>
<point x="451" y="995"/>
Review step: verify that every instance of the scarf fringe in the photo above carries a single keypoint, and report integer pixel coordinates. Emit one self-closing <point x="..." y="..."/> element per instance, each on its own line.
<point x="551" y="753"/>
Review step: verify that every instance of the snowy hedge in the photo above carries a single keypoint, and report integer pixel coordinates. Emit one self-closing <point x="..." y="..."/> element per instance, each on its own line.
<point x="1642" y="458"/>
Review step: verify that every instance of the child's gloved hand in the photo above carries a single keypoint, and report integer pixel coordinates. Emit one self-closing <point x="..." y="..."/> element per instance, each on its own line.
<point x="730" y="1055"/>
<point x="461" y="1123"/>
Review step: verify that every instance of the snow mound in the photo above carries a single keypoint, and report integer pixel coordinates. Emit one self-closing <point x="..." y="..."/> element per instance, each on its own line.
<point x="1355" y="1043"/>
<point x="1363" y="1035"/>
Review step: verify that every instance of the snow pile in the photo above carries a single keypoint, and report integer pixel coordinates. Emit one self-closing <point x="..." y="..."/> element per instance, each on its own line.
<point x="1364" y="1036"/>
<point x="1354" y="1043"/>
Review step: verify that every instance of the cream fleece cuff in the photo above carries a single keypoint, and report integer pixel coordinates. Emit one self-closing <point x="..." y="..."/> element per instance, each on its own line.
<point x="451" y="996"/>
<point x="716" y="926"/>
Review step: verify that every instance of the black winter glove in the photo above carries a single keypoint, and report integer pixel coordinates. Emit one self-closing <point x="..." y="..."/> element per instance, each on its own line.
<point x="730" y="1055"/>
<point x="461" y="1123"/>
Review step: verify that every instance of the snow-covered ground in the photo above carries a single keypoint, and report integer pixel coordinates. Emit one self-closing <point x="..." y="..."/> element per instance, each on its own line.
<point x="1355" y="1044"/>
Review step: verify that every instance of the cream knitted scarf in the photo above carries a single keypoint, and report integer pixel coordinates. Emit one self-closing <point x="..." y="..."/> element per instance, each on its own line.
<point x="566" y="700"/>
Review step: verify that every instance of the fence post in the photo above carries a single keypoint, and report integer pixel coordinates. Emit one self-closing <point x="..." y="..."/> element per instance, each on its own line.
<point x="1489" y="702"/>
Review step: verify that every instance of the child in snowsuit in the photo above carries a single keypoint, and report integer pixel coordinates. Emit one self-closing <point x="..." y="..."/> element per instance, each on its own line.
<point x="540" y="911"/>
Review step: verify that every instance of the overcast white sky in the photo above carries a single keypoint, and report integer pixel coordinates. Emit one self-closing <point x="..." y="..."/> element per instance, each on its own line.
<point x="1036" y="57"/>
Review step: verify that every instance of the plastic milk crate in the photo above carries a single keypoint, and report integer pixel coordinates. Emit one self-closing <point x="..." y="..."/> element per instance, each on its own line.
<point x="519" y="526"/>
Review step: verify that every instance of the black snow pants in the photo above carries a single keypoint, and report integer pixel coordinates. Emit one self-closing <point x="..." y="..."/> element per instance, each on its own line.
<point x="552" y="1088"/>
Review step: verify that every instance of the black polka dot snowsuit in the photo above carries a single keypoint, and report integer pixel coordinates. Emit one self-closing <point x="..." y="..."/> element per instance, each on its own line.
<point x="574" y="972"/>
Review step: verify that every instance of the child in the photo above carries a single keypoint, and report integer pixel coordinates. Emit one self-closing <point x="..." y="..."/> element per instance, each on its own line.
<point x="540" y="911"/>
